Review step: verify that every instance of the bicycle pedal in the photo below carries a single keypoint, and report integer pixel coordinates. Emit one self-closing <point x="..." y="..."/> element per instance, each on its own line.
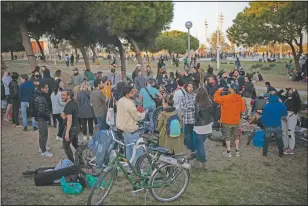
<point x="135" y="192"/>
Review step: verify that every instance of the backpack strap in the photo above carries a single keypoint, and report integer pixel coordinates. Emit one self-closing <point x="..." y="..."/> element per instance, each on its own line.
<point x="146" y="89"/>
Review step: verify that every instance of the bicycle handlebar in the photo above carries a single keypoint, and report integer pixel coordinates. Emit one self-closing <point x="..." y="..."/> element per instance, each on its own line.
<point x="114" y="138"/>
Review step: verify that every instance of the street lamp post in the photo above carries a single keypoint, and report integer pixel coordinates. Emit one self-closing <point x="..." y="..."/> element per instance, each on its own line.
<point x="188" y="25"/>
<point x="206" y="26"/>
<point x="217" y="38"/>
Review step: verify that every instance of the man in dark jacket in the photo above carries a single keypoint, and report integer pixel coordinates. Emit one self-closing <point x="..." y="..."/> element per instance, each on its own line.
<point x="26" y="93"/>
<point x="196" y="78"/>
<point x="14" y="90"/>
<point x="269" y="88"/>
<point x="42" y="113"/>
<point x="212" y="87"/>
<point x="273" y="113"/>
<point x="223" y="82"/>
<point x="247" y="95"/>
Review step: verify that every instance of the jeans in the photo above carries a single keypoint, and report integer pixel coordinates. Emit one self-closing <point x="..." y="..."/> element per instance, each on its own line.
<point x="150" y="117"/>
<point x="288" y="129"/>
<point x="43" y="134"/>
<point x="188" y="137"/>
<point x="87" y="122"/>
<point x="278" y="134"/>
<point x="60" y="124"/>
<point x="130" y="138"/>
<point x="200" y="153"/>
<point x="15" y="112"/>
<point x="24" y="106"/>
<point x="91" y="82"/>
<point x="101" y="121"/>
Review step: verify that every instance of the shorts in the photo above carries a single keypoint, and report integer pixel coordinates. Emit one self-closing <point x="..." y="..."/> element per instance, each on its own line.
<point x="230" y="131"/>
<point x="8" y="99"/>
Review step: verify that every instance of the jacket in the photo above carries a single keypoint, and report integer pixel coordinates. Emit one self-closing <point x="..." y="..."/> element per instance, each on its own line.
<point x="84" y="106"/>
<point x="89" y="76"/>
<point x="203" y="115"/>
<point x="248" y="89"/>
<point x="26" y="91"/>
<point x="231" y="107"/>
<point x="2" y="91"/>
<point x="223" y="83"/>
<point x="6" y="82"/>
<point x="41" y="109"/>
<point x="273" y="112"/>
<point x="98" y="101"/>
<point x="175" y="145"/>
<point x="114" y="78"/>
<point x="211" y="89"/>
<point x="51" y="82"/>
<point x="139" y="82"/>
<point x="14" y="90"/>
<point x="259" y="104"/>
<point x="57" y="103"/>
<point x="77" y="79"/>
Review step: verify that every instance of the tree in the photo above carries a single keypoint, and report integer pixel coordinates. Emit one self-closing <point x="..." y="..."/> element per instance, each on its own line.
<point x="281" y="22"/>
<point x="214" y="40"/>
<point x="232" y="36"/>
<point x="176" y="42"/>
<point x="136" y="21"/>
<point x="10" y="39"/>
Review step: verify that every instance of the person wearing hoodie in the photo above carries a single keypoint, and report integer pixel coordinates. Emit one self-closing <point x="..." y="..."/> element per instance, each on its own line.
<point x="232" y="105"/>
<point x="273" y="112"/>
<point x="58" y="107"/>
<point x="247" y="95"/>
<point x="173" y="144"/>
<point x="14" y="91"/>
<point x="203" y="124"/>
<point x="292" y="101"/>
<point x="26" y="93"/>
<point x="85" y="109"/>
<point x="139" y="81"/>
<point x="76" y="78"/>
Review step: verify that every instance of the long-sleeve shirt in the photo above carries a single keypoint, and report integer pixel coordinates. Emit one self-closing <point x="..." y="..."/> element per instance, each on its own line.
<point x="178" y="94"/>
<point x="187" y="107"/>
<point x="6" y="81"/>
<point x="127" y="115"/>
<point x="57" y="103"/>
<point x="26" y="91"/>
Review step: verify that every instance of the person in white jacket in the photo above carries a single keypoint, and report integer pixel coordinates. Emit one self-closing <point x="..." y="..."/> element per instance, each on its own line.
<point x="58" y="107"/>
<point x="178" y="94"/>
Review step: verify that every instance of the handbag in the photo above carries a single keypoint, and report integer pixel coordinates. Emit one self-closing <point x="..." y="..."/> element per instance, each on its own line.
<point x="110" y="114"/>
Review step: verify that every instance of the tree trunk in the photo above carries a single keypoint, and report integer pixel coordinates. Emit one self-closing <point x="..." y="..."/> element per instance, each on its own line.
<point x="3" y="64"/>
<point x="94" y="53"/>
<point x="27" y="45"/>
<point x="122" y="57"/>
<point x="12" y="55"/>
<point x="146" y="52"/>
<point x="85" y="57"/>
<point x="76" y="54"/>
<point x="137" y="51"/>
<point x="295" y="56"/>
<point x="41" y="49"/>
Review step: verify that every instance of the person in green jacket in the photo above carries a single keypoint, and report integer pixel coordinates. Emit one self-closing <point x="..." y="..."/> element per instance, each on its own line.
<point x="89" y="76"/>
<point x="185" y="62"/>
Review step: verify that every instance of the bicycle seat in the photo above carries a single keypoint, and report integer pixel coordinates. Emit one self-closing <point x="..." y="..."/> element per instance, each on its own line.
<point x="161" y="150"/>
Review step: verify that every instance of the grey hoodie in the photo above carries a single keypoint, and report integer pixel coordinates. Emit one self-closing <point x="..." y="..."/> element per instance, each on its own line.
<point x="139" y="82"/>
<point x="77" y="79"/>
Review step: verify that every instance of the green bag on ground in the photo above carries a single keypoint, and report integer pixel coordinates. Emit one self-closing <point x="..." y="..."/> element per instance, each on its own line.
<point x="70" y="188"/>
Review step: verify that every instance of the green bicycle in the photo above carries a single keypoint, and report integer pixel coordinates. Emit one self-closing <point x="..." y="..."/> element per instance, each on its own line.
<point x="166" y="182"/>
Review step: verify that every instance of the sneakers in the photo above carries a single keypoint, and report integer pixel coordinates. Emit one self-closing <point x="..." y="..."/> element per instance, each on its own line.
<point x="47" y="154"/>
<point x="19" y="126"/>
<point x="47" y="149"/>
<point x="237" y="153"/>
<point x="90" y="137"/>
<point x="289" y="151"/>
<point x="25" y="129"/>
<point x="227" y="154"/>
<point x="59" y="139"/>
<point x="85" y="138"/>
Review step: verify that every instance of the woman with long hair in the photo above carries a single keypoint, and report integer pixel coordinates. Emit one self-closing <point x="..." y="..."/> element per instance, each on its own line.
<point x="58" y="107"/>
<point x="85" y="109"/>
<point x="187" y="107"/>
<point x="203" y="123"/>
<point x="293" y="102"/>
<point x="171" y="84"/>
<point x="58" y="75"/>
<point x="149" y="72"/>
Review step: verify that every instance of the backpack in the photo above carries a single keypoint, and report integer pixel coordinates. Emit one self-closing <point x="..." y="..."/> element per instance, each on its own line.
<point x="174" y="126"/>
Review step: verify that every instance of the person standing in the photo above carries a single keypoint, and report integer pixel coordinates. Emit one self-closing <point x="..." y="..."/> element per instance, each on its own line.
<point x="67" y="60"/>
<point x="58" y="107"/>
<point x="72" y="60"/>
<point x="232" y="105"/>
<point x="187" y="107"/>
<point x="273" y="112"/>
<point x="149" y="72"/>
<point x="6" y="79"/>
<point x="26" y="93"/>
<point x="98" y="101"/>
<point x="85" y="109"/>
<point x="148" y="95"/>
<point x="196" y="78"/>
<point x="114" y="77"/>
<point x="127" y="119"/>
<point x="76" y="78"/>
<point x="42" y="113"/>
<point x="247" y="95"/>
<point x="186" y="62"/>
<point x="139" y="81"/>
<point x="71" y="127"/>
<point x="14" y="97"/>
<point x="89" y="76"/>
<point x="203" y="123"/>
<point x="178" y="94"/>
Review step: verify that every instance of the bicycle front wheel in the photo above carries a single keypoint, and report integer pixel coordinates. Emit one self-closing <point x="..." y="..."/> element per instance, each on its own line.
<point x="102" y="187"/>
<point x="175" y="179"/>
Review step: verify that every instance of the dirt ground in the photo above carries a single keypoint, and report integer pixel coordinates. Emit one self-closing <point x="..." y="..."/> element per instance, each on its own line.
<point x="248" y="179"/>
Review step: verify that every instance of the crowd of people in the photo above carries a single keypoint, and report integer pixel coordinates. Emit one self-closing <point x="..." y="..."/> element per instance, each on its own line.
<point x="194" y="104"/>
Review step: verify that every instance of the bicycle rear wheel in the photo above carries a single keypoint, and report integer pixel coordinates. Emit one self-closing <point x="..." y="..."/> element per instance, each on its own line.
<point x="84" y="157"/>
<point x="178" y="179"/>
<point x="102" y="187"/>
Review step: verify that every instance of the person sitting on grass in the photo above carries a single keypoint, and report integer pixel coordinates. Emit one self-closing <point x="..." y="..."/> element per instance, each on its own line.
<point x="269" y="87"/>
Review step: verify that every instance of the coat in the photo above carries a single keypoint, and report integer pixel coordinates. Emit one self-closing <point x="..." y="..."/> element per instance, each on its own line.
<point x="175" y="145"/>
<point x="84" y="106"/>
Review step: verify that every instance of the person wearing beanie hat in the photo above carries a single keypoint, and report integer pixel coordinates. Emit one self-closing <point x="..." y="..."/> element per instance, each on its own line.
<point x="232" y="105"/>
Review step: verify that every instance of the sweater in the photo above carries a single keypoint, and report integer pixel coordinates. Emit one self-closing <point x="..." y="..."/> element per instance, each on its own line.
<point x="57" y="103"/>
<point x="273" y="112"/>
<point x="26" y="91"/>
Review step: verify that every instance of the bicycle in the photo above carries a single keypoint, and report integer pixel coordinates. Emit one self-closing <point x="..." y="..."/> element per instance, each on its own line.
<point x="166" y="173"/>
<point x="85" y="157"/>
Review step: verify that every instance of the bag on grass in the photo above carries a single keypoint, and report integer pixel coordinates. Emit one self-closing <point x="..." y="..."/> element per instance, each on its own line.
<point x="173" y="126"/>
